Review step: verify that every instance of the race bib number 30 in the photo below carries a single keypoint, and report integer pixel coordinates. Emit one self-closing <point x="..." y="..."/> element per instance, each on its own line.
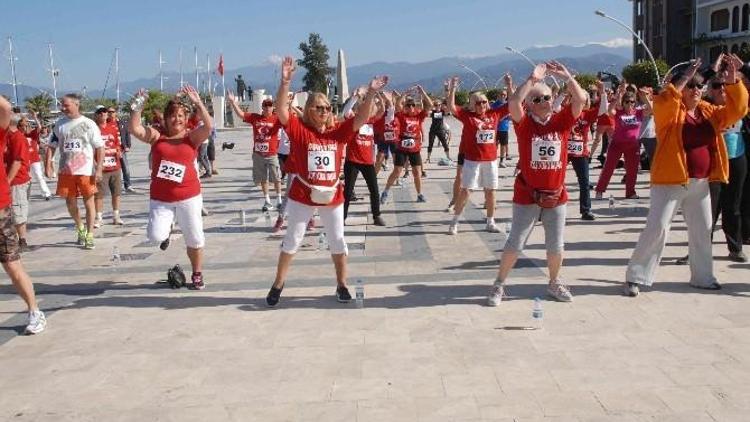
<point x="575" y="148"/>
<point x="544" y="150"/>
<point x="485" y="136"/>
<point x="262" y="147"/>
<point x="172" y="171"/>
<point x="324" y="161"/>
<point x="73" y="145"/>
<point x="408" y="143"/>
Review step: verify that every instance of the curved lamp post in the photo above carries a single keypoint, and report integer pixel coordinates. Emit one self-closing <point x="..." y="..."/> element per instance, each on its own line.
<point x="481" y="79"/>
<point x="640" y="40"/>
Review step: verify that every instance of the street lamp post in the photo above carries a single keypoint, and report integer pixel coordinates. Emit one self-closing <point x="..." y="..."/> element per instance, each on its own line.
<point x="673" y="68"/>
<point x="640" y="40"/>
<point x="481" y="79"/>
<point x="514" y="51"/>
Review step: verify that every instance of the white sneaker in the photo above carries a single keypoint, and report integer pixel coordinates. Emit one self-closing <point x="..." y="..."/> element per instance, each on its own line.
<point x="453" y="229"/>
<point x="117" y="221"/>
<point x="501" y="165"/>
<point x="496" y="295"/>
<point x="492" y="227"/>
<point x="37" y="322"/>
<point x="558" y="290"/>
<point x="97" y="223"/>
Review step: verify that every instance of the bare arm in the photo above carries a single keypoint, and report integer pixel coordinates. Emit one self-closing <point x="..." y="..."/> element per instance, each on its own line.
<point x="426" y="100"/>
<point x="235" y="106"/>
<point x="509" y="83"/>
<point x="644" y="94"/>
<point x="689" y="74"/>
<point x="282" y="95"/>
<point x="515" y="101"/>
<point x="376" y="85"/>
<point x="617" y="103"/>
<point x="202" y="132"/>
<point x="577" y="94"/>
<point x="6" y="111"/>
<point x="148" y="135"/>
<point x="13" y="170"/>
<point x="451" y="95"/>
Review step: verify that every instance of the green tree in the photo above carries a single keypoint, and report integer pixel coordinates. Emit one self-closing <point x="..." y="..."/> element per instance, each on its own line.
<point x="585" y="80"/>
<point x="315" y="60"/>
<point x="744" y="53"/>
<point x="642" y="73"/>
<point x="41" y="104"/>
<point x="492" y="94"/>
<point x="157" y="100"/>
<point x="462" y="98"/>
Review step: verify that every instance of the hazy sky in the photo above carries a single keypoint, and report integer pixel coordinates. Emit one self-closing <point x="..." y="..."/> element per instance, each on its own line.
<point x="85" y="33"/>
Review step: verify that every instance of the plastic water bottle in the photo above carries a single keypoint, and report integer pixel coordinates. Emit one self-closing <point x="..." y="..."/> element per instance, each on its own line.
<point x="611" y="202"/>
<point x="537" y="314"/>
<point x="508" y="227"/>
<point x="359" y="294"/>
<point x="116" y="257"/>
<point x="322" y="241"/>
<point x="267" y="215"/>
<point x="243" y="217"/>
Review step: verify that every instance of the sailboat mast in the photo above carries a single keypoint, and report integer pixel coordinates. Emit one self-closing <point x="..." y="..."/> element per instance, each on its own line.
<point x="117" y="75"/>
<point x="54" y="72"/>
<point x="13" y="71"/>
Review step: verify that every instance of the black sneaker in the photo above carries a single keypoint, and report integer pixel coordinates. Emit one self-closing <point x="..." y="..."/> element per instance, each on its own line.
<point x="342" y="294"/>
<point x="588" y="216"/>
<point x="165" y="244"/>
<point x="378" y="221"/>
<point x="682" y="261"/>
<point x="272" y="299"/>
<point x="737" y="256"/>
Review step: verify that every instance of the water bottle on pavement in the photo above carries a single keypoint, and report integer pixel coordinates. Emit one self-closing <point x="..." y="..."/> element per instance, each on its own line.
<point x="508" y="226"/>
<point x="243" y="217"/>
<point x="537" y="314"/>
<point x="116" y="256"/>
<point x="611" y="202"/>
<point x="267" y="215"/>
<point x="359" y="294"/>
<point x="322" y="241"/>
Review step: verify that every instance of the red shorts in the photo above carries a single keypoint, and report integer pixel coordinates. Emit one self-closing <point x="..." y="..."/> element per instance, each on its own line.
<point x="72" y="186"/>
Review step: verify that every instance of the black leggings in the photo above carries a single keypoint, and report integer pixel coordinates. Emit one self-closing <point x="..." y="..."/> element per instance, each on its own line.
<point x="727" y="199"/>
<point x="442" y="137"/>
<point x="350" y="179"/>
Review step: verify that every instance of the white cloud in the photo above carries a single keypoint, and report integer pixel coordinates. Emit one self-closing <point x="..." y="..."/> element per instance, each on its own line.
<point x="616" y="42"/>
<point x="274" y="59"/>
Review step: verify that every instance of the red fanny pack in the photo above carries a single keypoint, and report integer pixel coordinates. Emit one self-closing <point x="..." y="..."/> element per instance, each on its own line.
<point x="545" y="198"/>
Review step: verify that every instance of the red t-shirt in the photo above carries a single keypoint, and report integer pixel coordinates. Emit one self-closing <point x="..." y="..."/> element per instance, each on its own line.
<point x="388" y="133"/>
<point x="698" y="137"/>
<point x="578" y="145"/>
<point x="32" y="138"/>
<point x="411" y="130"/>
<point x="5" y="199"/>
<point x="112" y="148"/>
<point x="543" y="154"/>
<point x="605" y="120"/>
<point x="17" y="149"/>
<point x="478" y="133"/>
<point x="174" y="176"/>
<point x="265" y="133"/>
<point x="317" y="157"/>
<point x="193" y="122"/>
<point x="359" y="149"/>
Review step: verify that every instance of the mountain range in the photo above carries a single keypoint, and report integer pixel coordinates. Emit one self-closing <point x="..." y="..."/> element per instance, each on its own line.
<point x="589" y="58"/>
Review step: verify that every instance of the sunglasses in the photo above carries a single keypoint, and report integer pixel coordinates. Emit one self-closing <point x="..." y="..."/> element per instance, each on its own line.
<point x="694" y="85"/>
<point x="267" y="105"/>
<point x="717" y="85"/>
<point x="481" y="102"/>
<point x="537" y="100"/>
<point x="323" y="109"/>
<point x="410" y="105"/>
<point x="628" y="102"/>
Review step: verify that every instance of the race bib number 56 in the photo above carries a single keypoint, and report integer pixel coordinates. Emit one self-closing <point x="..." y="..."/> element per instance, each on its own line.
<point x="324" y="161"/>
<point x="544" y="150"/>
<point x="172" y="171"/>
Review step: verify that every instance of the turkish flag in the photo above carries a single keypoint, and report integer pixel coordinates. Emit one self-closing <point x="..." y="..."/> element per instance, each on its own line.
<point x="220" y="68"/>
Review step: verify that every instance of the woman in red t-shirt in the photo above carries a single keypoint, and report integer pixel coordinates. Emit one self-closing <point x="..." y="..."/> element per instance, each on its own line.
<point x="175" y="188"/>
<point x="539" y="190"/>
<point x="317" y="150"/>
<point x="35" y="159"/>
<point x="578" y="156"/>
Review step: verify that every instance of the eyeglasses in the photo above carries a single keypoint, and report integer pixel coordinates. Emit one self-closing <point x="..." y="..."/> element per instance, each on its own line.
<point x="717" y="85"/>
<point x="694" y="85"/>
<point x="537" y="100"/>
<point x="481" y="102"/>
<point x="410" y="105"/>
<point x="323" y="109"/>
<point x="267" y="105"/>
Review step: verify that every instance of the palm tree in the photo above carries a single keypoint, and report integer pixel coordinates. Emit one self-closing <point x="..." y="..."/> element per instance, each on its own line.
<point x="40" y="104"/>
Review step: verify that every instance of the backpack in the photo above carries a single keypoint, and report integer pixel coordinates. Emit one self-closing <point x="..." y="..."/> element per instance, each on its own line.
<point x="176" y="277"/>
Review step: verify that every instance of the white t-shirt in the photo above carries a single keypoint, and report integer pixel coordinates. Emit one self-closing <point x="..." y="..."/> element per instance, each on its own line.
<point x="76" y="141"/>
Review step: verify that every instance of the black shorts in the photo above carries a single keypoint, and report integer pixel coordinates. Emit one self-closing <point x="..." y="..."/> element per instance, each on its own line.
<point x="415" y="158"/>
<point x="460" y="158"/>
<point x="502" y="138"/>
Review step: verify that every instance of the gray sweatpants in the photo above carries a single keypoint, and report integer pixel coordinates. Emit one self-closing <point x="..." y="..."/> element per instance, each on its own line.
<point x="696" y="208"/>
<point x="524" y="218"/>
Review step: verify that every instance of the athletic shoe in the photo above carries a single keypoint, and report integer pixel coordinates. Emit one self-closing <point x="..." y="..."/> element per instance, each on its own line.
<point x="204" y="212"/>
<point x="713" y="286"/>
<point x="164" y="244"/>
<point x="599" y="196"/>
<point x="214" y="171"/>
<point x="278" y="225"/>
<point x="267" y="206"/>
<point x="588" y="216"/>
<point x="633" y="196"/>
<point x="81" y="234"/>
<point x="310" y="224"/>
<point x="273" y="296"/>
<point x="737" y="256"/>
<point x="342" y="294"/>
<point x="559" y="291"/>
<point x="682" y="261"/>
<point x="502" y="165"/>
<point x="97" y="223"/>
<point x="198" y="283"/>
<point x="378" y="221"/>
<point x="492" y="227"/>
<point x="631" y="289"/>
<point x="117" y="221"/>
<point x="450" y="206"/>
<point x="421" y="198"/>
<point x="453" y="229"/>
<point x="424" y="173"/>
<point x="130" y="189"/>
<point x="279" y="203"/>
<point x="205" y="175"/>
<point x="508" y="158"/>
<point x="384" y="197"/>
<point x="47" y="198"/>
<point x="89" y="241"/>
<point x="496" y="294"/>
<point x="37" y="322"/>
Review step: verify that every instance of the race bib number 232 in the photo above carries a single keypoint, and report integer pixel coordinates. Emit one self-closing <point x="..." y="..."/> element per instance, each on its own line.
<point x="172" y="171"/>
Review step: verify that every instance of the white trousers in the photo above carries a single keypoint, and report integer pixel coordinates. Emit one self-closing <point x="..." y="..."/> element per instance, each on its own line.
<point x="187" y="214"/>
<point x="38" y="175"/>
<point x="298" y="216"/>
<point x="695" y="201"/>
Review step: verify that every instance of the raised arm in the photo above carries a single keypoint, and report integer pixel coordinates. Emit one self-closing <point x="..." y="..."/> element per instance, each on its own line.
<point x="616" y="104"/>
<point x="645" y="95"/>
<point x="282" y="95"/>
<point x="577" y="94"/>
<point x="688" y="75"/>
<point x="6" y="111"/>
<point x="232" y="100"/>
<point x="202" y="132"/>
<point x="148" y="135"/>
<point x="377" y="83"/>
<point x="450" y="98"/>
<point x="426" y="100"/>
<point x="508" y="79"/>
<point x="515" y="101"/>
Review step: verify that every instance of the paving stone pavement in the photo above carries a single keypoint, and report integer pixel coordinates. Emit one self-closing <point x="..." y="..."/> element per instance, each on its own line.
<point x="120" y="346"/>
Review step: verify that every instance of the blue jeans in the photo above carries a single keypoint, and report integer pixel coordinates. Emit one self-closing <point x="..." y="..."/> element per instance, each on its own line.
<point x="581" y="167"/>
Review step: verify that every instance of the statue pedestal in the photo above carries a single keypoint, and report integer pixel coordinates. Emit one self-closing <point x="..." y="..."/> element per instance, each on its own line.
<point x="219" y="105"/>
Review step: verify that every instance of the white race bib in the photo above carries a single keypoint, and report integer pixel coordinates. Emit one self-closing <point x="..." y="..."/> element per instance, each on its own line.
<point x="437" y="116"/>
<point x="73" y="145"/>
<point x="544" y="150"/>
<point x="366" y="130"/>
<point x="171" y="171"/>
<point x="575" y="148"/>
<point x="321" y="161"/>
<point x="110" y="162"/>
<point x="389" y="136"/>
<point x="262" y="147"/>
<point x="408" y="143"/>
<point x="485" y="136"/>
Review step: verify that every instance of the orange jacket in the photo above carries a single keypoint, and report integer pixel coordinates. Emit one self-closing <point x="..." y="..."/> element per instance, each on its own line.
<point x="670" y="161"/>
